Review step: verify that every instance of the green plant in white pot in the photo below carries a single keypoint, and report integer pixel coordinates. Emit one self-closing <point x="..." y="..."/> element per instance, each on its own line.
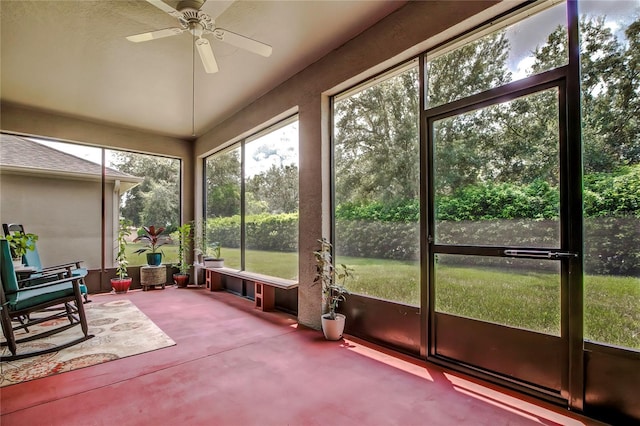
<point x="213" y="259"/>
<point x="333" y="279"/>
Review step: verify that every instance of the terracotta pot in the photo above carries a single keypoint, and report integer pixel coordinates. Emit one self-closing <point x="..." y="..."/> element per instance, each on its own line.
<point x="121" y="285"/>
<point x="333" y="328"/>
<point x="181" y="280"/>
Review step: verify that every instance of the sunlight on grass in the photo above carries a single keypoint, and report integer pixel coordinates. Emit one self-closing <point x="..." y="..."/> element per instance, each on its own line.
<point x="525" y="300"/>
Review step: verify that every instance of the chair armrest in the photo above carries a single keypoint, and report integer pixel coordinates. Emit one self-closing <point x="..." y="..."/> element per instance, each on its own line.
<point x="39" y="277"/>
<point x="74" y="280"/>
<point x="69" y="265"/>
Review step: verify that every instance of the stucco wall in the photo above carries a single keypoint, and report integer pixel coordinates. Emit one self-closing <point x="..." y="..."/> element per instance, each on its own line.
<point x="64" y="213"/>
<point x="17" y="119"/>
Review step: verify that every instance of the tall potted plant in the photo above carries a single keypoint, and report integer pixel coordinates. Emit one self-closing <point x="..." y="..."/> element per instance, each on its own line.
<point x="333" y="279"/>
<point x="154" y="239"/>
<point x="123" y="282"/>
<point x="199" y="239"/>
<point x="19" y="243"/>
<point x="181" y="279"/>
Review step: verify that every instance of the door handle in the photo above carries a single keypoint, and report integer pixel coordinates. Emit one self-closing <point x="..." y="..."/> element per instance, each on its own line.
<point x="540" y="254"/>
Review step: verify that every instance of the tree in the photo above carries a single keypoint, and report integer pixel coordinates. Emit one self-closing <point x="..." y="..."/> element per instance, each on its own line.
<point x="277" y="188"/>
<point x="377" y="143"/>
<point x="610" y="91"/>
<point x="160" y="174"/>
<point x="160" y="207"/>
<point x="223" y="180"/>
<point x="377" y="147"/>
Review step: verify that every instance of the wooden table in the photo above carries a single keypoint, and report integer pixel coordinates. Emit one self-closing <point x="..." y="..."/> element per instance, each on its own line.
<point x="151" y="276"/>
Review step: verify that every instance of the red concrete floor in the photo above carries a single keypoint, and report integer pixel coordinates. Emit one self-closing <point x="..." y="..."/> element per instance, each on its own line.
<point x="234" y="365"/>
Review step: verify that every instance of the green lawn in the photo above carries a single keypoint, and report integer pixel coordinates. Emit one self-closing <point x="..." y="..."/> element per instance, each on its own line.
<point x="526" y="300"/>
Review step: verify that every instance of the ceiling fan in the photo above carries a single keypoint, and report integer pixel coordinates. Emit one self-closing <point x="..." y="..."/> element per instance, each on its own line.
<point x="198" y="23"/>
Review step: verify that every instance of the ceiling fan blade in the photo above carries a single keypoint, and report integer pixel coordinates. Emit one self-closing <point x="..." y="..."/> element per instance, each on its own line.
<point x="242" y="42"/>
<point x="165" y="8"/>
<point x="206" y="55"/>
<point x="167" y="32"/>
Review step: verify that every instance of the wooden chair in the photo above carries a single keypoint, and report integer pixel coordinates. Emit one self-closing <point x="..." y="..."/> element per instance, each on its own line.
<point x="32" y="259"/>
<point x="20" y="303"/>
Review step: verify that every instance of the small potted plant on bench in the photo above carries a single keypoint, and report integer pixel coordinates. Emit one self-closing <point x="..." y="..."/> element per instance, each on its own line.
<point x="181" y="279"/>
<point x="214" y="260"/>
<point x="333" y="281"/>
<point x="123" y="282"/>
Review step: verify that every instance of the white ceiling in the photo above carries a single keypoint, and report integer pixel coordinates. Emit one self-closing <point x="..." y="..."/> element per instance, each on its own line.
<point x="72" y="58"/>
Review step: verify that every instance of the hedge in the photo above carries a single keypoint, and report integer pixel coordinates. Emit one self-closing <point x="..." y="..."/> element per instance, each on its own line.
<point x="484" y="214"/>
<point x="605" y="195"/>
<point x="263" y="232"/>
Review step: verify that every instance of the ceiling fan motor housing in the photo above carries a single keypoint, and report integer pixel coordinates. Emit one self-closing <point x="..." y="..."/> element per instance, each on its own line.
<point x="189" y="4"/>
<point x="196" y="21"/>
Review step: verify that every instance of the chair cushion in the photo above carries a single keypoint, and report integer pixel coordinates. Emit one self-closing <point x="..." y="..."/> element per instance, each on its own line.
<point x="32" y="258"/>
<point x="79" y="272"/>
<point x="7" y="273"/>
<point x="28" y="298"/>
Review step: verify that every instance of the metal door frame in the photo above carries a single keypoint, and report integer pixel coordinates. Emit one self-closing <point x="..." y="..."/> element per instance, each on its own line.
<point x="570" y="244"/>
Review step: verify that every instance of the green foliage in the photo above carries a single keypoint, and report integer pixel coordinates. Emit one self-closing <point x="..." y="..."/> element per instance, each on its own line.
<point x="610" y="88"/>
<point x="184" y="238"/>
<point x="160" y="206"/>
<point x="157" y="198"/>
<point x="20" y="243"/>
<point x="537" y="200"/>
<point x="612" y="247"/>
<point x="332" y="278"/>
<point x="399" y="211"/>
<point x="222" y="179"/>
<point x="377" y="148"/>
<point x="277" y="188"/>
<point x="121" y="256"/>
<point x="376" y="239"/>
<point x="215" y="249"/>
<point x="153" y="238"/>
<point x="613" y="194"/>
<point x="263" y="232"/>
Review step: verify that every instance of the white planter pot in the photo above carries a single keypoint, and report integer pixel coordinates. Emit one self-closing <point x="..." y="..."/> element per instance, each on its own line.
<point x="213" y="263"/>
<point x="333" y="329"/>
<point x="17" y="263"/>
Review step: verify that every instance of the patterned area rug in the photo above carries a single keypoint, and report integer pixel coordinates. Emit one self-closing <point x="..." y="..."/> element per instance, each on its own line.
<point x="120" y="330"/>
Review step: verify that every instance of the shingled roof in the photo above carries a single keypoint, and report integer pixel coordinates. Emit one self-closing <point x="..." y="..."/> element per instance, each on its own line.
<point x="26" y="155"/>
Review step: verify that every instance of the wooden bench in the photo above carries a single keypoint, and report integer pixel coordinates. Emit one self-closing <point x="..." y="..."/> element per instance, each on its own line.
<point x="264" y="285"/>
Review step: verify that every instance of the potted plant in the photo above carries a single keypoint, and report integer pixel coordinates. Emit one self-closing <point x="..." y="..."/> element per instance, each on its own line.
<point x="333" y="281"/>
<point x="154" y="239"/>
<point x="123" y="282"/>
<point x="213" y="260"/>
<point x="199" y="241"/>
<point x="181" y="279"/>
<point x="19" y="243"/>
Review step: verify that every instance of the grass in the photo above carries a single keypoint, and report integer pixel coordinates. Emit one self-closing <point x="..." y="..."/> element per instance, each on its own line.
<point x="525" y="300"/>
